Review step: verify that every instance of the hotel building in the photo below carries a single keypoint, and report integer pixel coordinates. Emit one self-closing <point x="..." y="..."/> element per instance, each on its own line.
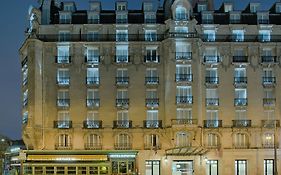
<point x="172" y="89"/>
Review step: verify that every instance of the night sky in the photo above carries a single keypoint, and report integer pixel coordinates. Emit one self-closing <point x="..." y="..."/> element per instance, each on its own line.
<point x="13" y="20"/>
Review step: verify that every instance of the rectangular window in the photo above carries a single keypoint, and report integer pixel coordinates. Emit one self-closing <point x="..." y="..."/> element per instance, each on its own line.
<point x="264" y="35"/>
<point x="201" y="7"/>
<point x="151" y="94"/>
<point x="241" y="97"/>
<point x="93" y="77"/>
<point x="182" y="167"/>
<point x="278" y="8"/>
<point x="121" y="35"/>
<point x="151" y="54"/>
<point x="123" y="115"/>
<point x="263" y="18"/>
<point x="63" y="55"/>
<point x="63" y="77"/>
<point x="268" y="165"/>
<point x="240" y="114"/>
<point x="25" y="117"/>
<point x="235" y="18"/>
<point x="122" y="53"/>
<point x="25" y="98"/>
<point x="92" y="55"/>
<point x="152" y="167"/>
<point x="184" y="73"/>
<point x="212" y="167"/>
<point x="183" y="30"/>
<point x="210" y="35"/>
<point x="93" y="99"/>
<point x="183" y="50"/>
<point x="121" y="18"/>
<point x="65" y="18"/>
<point x="122" y="94"/>
<point x="150" y="35"/>
<point x="212" y="114"/>
<point x="240" y="140"/>
<point x="152" y="115"/>
<point x="238" y="35"/>
<point x="64" y="36"/>
<point x="63" y="119"/>
<point x="211" y="55"/>
<point x="24" y="69"/>
<point x="240" y="167"/>
<point x="63" y="98"/>
<point x="184" y="113"/>
<point x="207" y="18"/>
<point x="93" y="36"/>
<point x="93" y="18"/>
<point x="240" y="72"/>
<point x="147" y="6"/>
<point x="150" y="18"/>
<point x="121" y="7"/>
<point x="92" y="115"/>
<point x="228" y="8"/>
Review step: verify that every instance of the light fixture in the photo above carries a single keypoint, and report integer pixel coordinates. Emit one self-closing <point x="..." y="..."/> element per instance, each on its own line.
<point x="206" y="159"/>
<point x="166" y="159"/>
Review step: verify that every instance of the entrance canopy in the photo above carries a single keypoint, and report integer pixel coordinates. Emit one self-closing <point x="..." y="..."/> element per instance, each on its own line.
<point x="187" y="151"/>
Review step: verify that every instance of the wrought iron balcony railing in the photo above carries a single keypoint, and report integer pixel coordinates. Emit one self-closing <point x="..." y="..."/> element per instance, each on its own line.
<point x="241" y="123"/>
<point x="212" y="80"/>
<point x="269" y="101"/>
<point x="63" y="81"/>
<point x="211" y="59"/>
<point x="268" y="81"/>
<point x="123" y="146"/>
<point x="122" y="59"/>
<point x="63" y="102"/>
<point x="240" y="102"/>
<point x="183" y="56"/>
<point x="240" y="59"/>
<point x="184" y="121"/>
<point x="93" y="103"/>
<point x="152" y="102"/>
<point x="122" y="102"/>
<point x="212" y="123"/>
<point x="92" y="124"/>
<point x="152" y="146"/>
<point x="151" y="59"/>
<point x="270" y="123"/>
<point x="184" y="77"/>
<point x="184" y="99"/>
<point x="63" y="124"/>
<point x="212" y="101"/>
<point x="63" y="146"/>
<point x="93" y="81"/>
<point x="63" y="59"/>
<point x="240" y="80"/>
<point x="94" y="59"/>
<point x="152" y="124"/>
<point x="122" y="80"/>
<point x="151" y="80"/>
<point x="93" y="146"/>
<point x="268" y="59"/>
<point x="122" y="124"/>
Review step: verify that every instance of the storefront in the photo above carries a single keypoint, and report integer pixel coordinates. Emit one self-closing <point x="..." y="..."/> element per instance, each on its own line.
<point x="83" y="162"/>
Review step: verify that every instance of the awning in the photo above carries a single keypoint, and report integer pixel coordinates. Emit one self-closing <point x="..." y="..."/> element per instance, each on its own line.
<point x="66" y="158"/>
<point x="187" y="151"/>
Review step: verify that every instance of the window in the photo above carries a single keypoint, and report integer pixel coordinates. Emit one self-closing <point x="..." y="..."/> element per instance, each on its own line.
<point x="121" y="7"/>
<point x="64" y="36"/>
<point x="150" y="35"/>
<point x="183" y="73"/>
<point x="25" y="98"/>
<point x="268" y="140"/>
<point x="181" y="13"/>
<point x="278" y="8"/>
<point x="122" y="99"/>
<point x="240" y="140"/>
<point x="64" y="141"/>
<point x="63" y="119"/>
<point x="93" y="77"/>
<point x="183" y="50"/>
<point x="63" y="98"/>
<point x="183" y="30"/>
<point x="240" y="76"/>
<point x="123" y="141"/>
<point x="268" y="167"/>
<point x="93" y="18"/>
<point x="254" y="7"/>
<point x="212" y="140"/>
<point x="228" y="8"/>
<point x="151" y="76"/>
<point x="122" y="76"/>
<point x="121" y="35"/>
<point x="238" y="35"/>
<point x="25" y="117"/>
<point x="151" y="54"/>
<point x="201" y="7"/>
<point x="209" y="35"/>
<point x="93" y="141"/>
<point x="92" y="55"/>
<point x="207" y="18"/>
<point x="264" y="35"/>
<point x="240" y="114"/>
<point x="184" y="113"/>
<point x="211" y="55"/>
<point x="269" y="114"/>
<point x="212" y="118"/>
<point x="184" y="94"/>
<point x="182" y="139"/>
<point x="63" y="54"/>
<point x="68" y="7"/>
<point x="121" y="18"/>
<point x="152" y="115"/>
<point x="268" y="72"/>
<point x="152" y="98"/>
<point x="122" y="53"/>
<point x="93" y="99"/>
<point x="147" y="6"/>
<point x="240" y="167"/>
<point x="150" y="18"/>
<point x="152" y="141"/>
<point x="212" y="167"/>
<point x="24" y="70"/>
<point x="263" y="18"/>
<point x="212" y="76"/>
<point x="65" y="18"/>
<point x="63" y="77"/>
<point x="212" y="98"/>
<point x="182" y="167"/>
<point x="93" y="36"/>
<point x="241" y="97"/>
<point x="235" y="17"/>
<point x="152" y="167"/>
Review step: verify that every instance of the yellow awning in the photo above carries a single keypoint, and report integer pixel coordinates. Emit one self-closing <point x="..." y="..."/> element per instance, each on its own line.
<point x="67" y="158"/>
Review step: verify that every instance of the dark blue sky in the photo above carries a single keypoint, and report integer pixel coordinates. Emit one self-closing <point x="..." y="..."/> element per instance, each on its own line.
<point x="13" y="20"/>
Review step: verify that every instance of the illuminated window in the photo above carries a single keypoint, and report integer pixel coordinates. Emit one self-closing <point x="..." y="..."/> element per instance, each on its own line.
<point x="240" y="167"/>
<point x="181" y="13"/>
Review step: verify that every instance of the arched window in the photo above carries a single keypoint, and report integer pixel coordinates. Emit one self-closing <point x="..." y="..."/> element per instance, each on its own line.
<point x="182" y="139"/>
<point x="122" y="141"/>
<point x="213" y="140"/>
<point x="64" y="142"/>
<point x="93" y="141"/>
<point x="268" y="140"/>
<point x="181" y="13"/>
<point x="152" y="141"/>
<point x="241" y="140"/>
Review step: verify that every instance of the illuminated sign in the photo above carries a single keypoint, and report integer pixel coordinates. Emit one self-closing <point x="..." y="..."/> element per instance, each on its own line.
<point x="122" y="156"/>
<point x="67" y="157"/>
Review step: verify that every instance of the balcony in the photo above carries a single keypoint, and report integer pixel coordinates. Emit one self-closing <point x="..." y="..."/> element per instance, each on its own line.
<point x="268" y="81"/>
<point x="212" y="81"/>
<point x="92" y="124"/>
<point x="122" y="59"/>
<point x="122" y="103"/>
<point x="152" y="124"/>
<point x="263" y="21"/>
<point x="150" y="21"/>
<point x="240" y="60"/>
<point x="152" y="146"/>
<point x="264" y="38"/>
<point x="93" y="81"/>
<point x="241" y="123"/>
<point x="242" y="145"/>
<point x="212" y="123"/>
<point x="184" y="78"/>
<point x="151" y="80"/>
<point x="122" y="124"/>
<point x="151" y="59"/>
<point x="63" y="102"/>
<point x="65" y="21"/>
<point x="269" y="145"/>
<point x="61" y="146"/>
<point x="122" y="81"/>
<point x="63" y="81"/>
<point x="181" y="35"/>
<point x="63" y="124"/>
<point x="184" y="100"/>
<point x="121" y="21"/>
<point x="122" y="146"/>
<point x="63" y="59"/>
<point x="240" y="102"/>
<point x="270" y="123"/>
<point x="152" y="102"/>
<point x="211" y="59"/>
<point x="184" y="121"/>
<point x="93" y="21"/>
<point x="93" y="103"/>
<point x="207" y="21"/>
<point x="269" y="60"/>
<point x="268" y="102"/>
<point x="122" y="37"/>
<point x="183" y="56"/>
<point x="240" y="81"/>
<point x="92" y="60"/>
<point x="93" y="146"/>
<point x="212" y="101"/>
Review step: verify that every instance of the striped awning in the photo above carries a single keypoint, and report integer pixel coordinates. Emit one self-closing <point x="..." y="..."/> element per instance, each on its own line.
<point x="187" y="151"/>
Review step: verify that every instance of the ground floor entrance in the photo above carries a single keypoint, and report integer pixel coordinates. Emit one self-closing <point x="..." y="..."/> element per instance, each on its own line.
<point x="182" y="167"/>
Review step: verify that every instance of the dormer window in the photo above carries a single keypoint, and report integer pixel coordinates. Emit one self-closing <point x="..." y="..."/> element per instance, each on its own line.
<point x="181" y="13"/>
<point x="93" y="18"/>
<point x="181" y="30"/>
<point x="278" y="8"/>
<point x="264" y="35"/>
<point x="147" y="7"/>
<point x="69" y="7"/>
<point x="201" y="7"/>
<point x="228" y="8"/>
<point x="238" y="35"/>
<point x="95" y="6"/>
<point x="121" y="19"/>
<point x="65" y="18"/>
<point x="207" y="18"/>
<point x="209" y="35"/>
<point x="254" y="8"/>
<point x="121" y="7"/>
<point x="263" y="18"/>
<point x="234" y="18"/>
<point x="150" y="18"/>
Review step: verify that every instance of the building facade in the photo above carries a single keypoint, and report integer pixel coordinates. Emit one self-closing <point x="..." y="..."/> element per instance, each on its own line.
<point x="175" y="90"/>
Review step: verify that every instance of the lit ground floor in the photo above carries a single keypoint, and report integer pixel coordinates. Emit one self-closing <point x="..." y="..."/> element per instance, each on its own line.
<point x="151" y="162"/>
